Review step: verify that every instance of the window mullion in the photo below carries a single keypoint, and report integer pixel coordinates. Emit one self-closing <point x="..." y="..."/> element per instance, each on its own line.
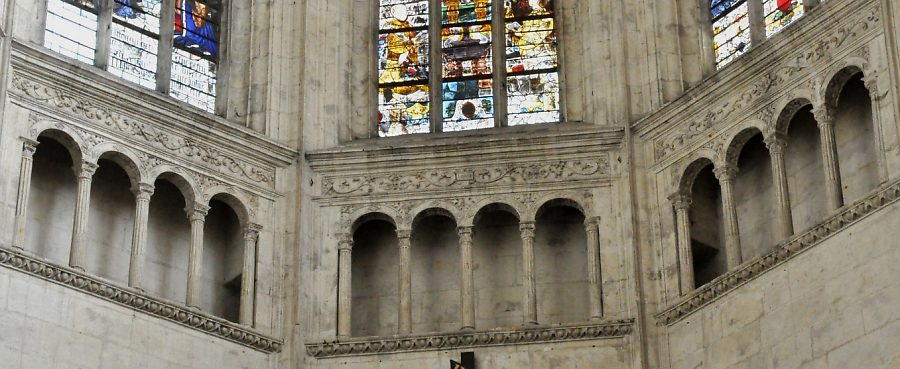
<point x="435" y="112"/>
<point x="104" y="34"/>
<point x="560" y="58"/>
<point x="757" y="22"/>
<point x="498" y="49"/>
<point x="164" y="53"/>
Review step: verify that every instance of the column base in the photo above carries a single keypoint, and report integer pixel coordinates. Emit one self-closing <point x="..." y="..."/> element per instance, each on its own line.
<point x="467" y="329"/>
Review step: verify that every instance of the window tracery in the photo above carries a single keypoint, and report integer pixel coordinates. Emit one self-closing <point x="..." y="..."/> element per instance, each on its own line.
<point x="736" y="24"/>
<point x="468" y="79"/>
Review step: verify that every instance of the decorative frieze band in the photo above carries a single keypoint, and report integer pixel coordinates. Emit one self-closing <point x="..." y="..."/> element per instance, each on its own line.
<point x="463" y="340"/>
<point x="138" y="301"/>
<point x="469" y="177"/>
<point x="730" y="281"/>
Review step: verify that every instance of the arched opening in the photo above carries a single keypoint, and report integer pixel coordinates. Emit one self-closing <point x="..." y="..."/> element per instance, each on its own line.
<point x="561" y="261"/>
<point x="805" y="170"/>
<point x="375" y="283"/>
<point x="168" y="240"/>
<point x="754" y="196"/>
<point x="222" y="261"/>
<point x="51" y="204"/>
<point x="707" y="229"/>
<point x="855" y="137"/>
<point x="436" y="273"/>
<point x="111" y="222"/>
<point x="497" y="259"/>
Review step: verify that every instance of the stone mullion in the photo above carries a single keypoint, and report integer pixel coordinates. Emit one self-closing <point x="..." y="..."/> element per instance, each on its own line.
<point x="830" y="158"/>
<point x="529" y="287"/>
<point x="166" y="45"/>
<point x="810" y="4"/>
<point x="871" y="83"/>
<point x="404" y="238"/>
<point x="726" y="176"/>
<point x="777" y="146"/>
<point x="29" y="147"/>
<point x="345" y="294"/>
<point x="757" y="19"/>
<point x="435" y="112"/>
<point x="707" y="53"/>
<point x="143" y="193"/>
<point x="248" y="275"/>
<point x="682" y="205"/>
<point x="595" y="293"/>
<point x="85" y="173"/>
<point x="104" y="34"/>
<point x="467" y="293"/>
<point x="498" y="50"/>
<point x="195" y="260"/>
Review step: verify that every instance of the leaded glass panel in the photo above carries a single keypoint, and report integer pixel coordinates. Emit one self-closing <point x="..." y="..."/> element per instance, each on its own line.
<point x="403" y="68"/>
<point x="780" y="13"/>
<point x="467" y="64"/>
<point x="193" y="79"/>
<point x="533" y="98"/>
<point x="135" y="40"/>
<point x="194" y="60"/>
<point x="71" y="28"/>
<point x="731" y="29"/>
<point x="531" y="62"/>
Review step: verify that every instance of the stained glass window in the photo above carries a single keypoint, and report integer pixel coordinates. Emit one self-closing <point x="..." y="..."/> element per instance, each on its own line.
<point x="465" y="65"/>
<point x="780" y="13"/>
<point x="731" y="29"/>
<point x="72" y="28"/>
<point x="531" y="62"/>
<point x="134" y="42"/>
<point x="403" y="68"/>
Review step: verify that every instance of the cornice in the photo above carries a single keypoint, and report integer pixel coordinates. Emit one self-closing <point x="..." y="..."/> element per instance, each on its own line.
<point x="465" y="340"/>
<point x="96" y="91"/>
<point x="750" y="270"/>
<point x="138" y="301"/>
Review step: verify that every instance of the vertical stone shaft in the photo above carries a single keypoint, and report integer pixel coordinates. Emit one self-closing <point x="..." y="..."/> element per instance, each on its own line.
<point x="830" y="158"/>
<point x="726" y="177"/>
<point x="777" y="145"/>
<point x="404" y="238"/>
<point x="248" y="276"/>
<point x="195" y="260"/>
<point x="345" y="294"/>
<point x="810" y="4"/>
<point x="757" y="20"/>
<point x="467" y="293"/>
<point x="592" y="230"/>
<point x="682" y="204"/>
<point x="529" y="306"/>
<point x="85" y="173"/>
<point x="28" y="149"/>
<point x="143" y="193"/>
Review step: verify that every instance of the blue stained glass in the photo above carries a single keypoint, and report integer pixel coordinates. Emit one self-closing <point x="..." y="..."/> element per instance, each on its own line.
<point x="718" y="7"/>
<point x="196" y="26"/>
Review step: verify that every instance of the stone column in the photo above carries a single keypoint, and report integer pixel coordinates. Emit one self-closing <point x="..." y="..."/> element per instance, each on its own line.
<point x="871" y="83"/>
<point x="345" y="282"/>
<point x="757" y="18"/>
<point x="404" y="238"/>
<point x="777" y="145"/>
<point x="195" y="260"/>
<point x="467" y="292"/>
<point x="143" y="192"/>
<point x="726" y="176"/>
<point x="830" y="158"/>
<point x="682" y="205"/>
<point x="592" y="230"/>
<point x="85" y="173"/>
<point x="810" y="4"/>
<point x="529" y="306"/>
<point x="248" y="276"/>
<point x="28" y="149"/>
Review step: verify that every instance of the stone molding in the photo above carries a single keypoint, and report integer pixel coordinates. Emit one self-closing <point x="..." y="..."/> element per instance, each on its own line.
<point x="465" y="340"/>
<point x="752" y="269"/>
<point x="858" y="23"/>
<point x="139" y="301"/>
<point x="232" y="151"/>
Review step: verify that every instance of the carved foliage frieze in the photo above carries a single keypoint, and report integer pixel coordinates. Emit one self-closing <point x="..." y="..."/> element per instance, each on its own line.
<point x="156" y="136"/>
<point x="468" y="178"/>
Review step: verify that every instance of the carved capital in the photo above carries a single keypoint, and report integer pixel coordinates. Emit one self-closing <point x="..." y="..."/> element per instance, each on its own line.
<point x="29" y="147"/>
<point x="777" y="143"/>
<point x="85" y="170"/>
<point x="592" y="224"/>
<point x="404" y="234"/>
<point x="527" y="229"/>
<point x="465" y="231"/>
<point x="345" y="242"/>
<point x="143" y="191"/>
<point x="725" y="173"/>
<point x="823" y="116"/>
<point x="681" y="201"/>
<point x="251" y="234"/>
<point x="197" y="212"/>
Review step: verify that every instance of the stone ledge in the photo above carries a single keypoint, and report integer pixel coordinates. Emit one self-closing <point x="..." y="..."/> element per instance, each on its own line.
<point x="141" y="302"/>
<point x="462" y="340"/>
<point x="750" y="270"/>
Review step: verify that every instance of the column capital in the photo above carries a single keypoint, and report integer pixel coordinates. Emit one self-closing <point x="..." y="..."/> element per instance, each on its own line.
<point x="871" y="82"/>
<point x="527" y="229"/>
<point x="85" y="170"/>
<point x="345" y="241"/>
<point x="776" y="143"/>
<point x="143" y="191"/>
<point x="404" y="234"/>
<point x="725" y="173"/>
<point x="198" y="212"/>
<point x="251" y="233"/>
<point x="592" y="224"/>
<point x="29" y="146"/>
<point x="465" y="230"/>
<point x="823" y="116"/>
<point x="681" y="201"/>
